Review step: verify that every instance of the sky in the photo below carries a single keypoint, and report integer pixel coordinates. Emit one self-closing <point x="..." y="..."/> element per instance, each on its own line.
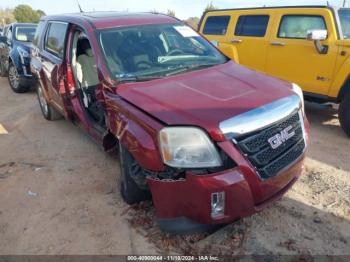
<point x="183" y="8"/>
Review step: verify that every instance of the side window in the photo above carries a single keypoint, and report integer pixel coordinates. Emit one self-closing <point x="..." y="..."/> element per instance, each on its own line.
<point x="55" y="36"/>
<point x="252" y="25"/>
<point x="216" y="25"/>
<point x="296" y="26"/>
<point x="38" y="33"/>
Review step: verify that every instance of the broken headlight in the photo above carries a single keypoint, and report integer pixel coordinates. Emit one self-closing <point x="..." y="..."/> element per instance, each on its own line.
<point x="187" y="147"/>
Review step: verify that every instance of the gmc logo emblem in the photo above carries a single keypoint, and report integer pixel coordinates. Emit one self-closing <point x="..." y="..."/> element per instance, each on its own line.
<point x="279" y="139"/>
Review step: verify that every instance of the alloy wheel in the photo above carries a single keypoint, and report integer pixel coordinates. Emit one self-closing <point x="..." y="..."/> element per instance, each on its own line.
<point x="13" y="77"/>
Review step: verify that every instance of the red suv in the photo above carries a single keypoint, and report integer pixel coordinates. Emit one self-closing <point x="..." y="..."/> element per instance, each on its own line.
<point x="209" y="140"/>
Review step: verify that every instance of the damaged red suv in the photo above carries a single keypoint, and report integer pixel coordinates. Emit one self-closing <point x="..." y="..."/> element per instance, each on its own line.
<point x="209" y="140"/>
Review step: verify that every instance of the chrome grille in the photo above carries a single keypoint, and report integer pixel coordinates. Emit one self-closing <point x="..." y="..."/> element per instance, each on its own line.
<point x="268" y="161"/>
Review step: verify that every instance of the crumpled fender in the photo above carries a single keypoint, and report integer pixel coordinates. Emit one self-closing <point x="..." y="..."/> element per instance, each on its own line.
<point x="135" y="130"/>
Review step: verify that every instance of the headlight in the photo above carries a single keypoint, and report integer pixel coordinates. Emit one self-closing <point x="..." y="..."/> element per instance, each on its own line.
<point x="300" y="93"/>
<point x="187" y="147"/>
<point x="23" y="53"/>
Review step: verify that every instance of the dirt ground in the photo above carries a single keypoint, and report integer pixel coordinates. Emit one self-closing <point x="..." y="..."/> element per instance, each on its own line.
<point x="57" y="196"/>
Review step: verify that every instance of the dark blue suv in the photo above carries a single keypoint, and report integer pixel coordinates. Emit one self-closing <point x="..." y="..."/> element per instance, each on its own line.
<point x="15" y="55"/>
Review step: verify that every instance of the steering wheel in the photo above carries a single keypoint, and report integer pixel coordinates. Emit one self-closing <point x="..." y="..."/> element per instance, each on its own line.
<point x="144" y="65"/>
<point x="175" y="52"/>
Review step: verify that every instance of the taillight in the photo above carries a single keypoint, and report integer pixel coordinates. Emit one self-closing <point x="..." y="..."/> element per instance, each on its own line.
<point x="70" y="79"/>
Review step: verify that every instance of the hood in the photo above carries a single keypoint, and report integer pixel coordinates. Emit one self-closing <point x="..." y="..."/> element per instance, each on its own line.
<point x="206" y="97"/>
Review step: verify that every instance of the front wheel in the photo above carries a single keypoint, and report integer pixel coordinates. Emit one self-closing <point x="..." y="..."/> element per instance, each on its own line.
<point x="14" y="82"/>
<point x="344" y="113"/>
<point x="48" y="111"/>
<point x="2" y="69"/>
<point x="133" y="186"/>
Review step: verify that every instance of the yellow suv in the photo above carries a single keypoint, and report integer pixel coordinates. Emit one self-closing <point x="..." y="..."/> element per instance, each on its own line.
<point x="307" y="45"/>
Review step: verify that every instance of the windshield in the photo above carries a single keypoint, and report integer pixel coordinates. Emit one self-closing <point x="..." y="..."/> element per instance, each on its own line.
<point x="154" y="51"/>
<point x="25" y="34"/>
<point x="344" y="16"/>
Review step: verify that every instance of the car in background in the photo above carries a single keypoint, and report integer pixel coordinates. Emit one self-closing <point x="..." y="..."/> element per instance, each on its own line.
<point x="306" y="45"/>
<point x="209" y="140"/>
<point x="15" y="56"/>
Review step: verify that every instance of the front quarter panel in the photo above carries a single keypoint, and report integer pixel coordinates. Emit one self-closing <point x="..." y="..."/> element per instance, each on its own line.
<point x="135" y="130"/>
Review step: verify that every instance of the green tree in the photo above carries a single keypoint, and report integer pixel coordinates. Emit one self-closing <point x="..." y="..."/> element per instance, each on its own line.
<point x="171" y="13"/>
<point x="26" y="14"/>
<point x="40" y="13"/>
<point x="210" y="7"/>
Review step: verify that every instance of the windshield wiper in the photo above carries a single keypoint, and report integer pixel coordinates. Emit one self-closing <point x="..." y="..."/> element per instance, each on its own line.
<point x="189" y="68"/>
<point x="133" y="78"/>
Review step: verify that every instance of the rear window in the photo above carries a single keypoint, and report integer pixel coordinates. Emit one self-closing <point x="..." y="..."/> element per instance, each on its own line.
<point x="216" y="25"/>
<point x="252" y="25"/>
<point x="54" y="42"/>
<point x="38" y="32"/>
<point x="25" y="34"/>
<point x="296" y="26"/>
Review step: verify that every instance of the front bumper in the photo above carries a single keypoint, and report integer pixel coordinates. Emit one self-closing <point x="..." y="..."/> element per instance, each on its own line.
<point x="185" y="205"/>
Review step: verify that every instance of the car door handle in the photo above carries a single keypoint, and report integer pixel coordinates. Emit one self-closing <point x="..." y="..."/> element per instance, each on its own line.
<point x="278" y="43"/>
<point x="236" y="40"/>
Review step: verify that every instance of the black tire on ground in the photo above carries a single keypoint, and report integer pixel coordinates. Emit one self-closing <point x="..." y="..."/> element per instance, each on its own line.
<point x="13" y="79"/>
<point x="48" y="111"/>
<point x="344" y="113"/>
<point x="3" y="72"/>
<point x="131" y="191"/>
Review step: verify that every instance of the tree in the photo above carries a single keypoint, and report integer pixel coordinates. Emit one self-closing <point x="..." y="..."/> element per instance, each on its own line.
<point x="26" y="14"/>
<point x="171" y="13"/>
<point x="193" y="22"/>
<point x="6" y="16"/>
<point x="210" y="7"/>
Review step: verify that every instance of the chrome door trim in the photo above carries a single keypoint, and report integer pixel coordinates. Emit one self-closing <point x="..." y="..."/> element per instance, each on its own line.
<point x="261" y="117"/>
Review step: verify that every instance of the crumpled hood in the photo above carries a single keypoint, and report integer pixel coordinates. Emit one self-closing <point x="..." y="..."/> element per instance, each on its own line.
<point x="206" y="97"/>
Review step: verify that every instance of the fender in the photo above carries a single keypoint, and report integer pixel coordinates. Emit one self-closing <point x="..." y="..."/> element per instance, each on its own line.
<point x="230" y="51"/>
<point x="341" y="83"/>
<point x="135" y="130"/>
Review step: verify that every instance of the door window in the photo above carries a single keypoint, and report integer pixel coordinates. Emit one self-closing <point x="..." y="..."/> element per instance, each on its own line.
<point x="54" y="42"/>
<point x="216" y="25"/>
<point x="252" y="25"/>
<point x="296" y="26"/>
<point x="38" y="33"/>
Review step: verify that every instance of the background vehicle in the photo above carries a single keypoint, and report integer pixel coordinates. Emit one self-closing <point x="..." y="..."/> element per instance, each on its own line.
<point x="309" y="46"/>
<point x="180" y="113"/>
<point x="15" y="56"/>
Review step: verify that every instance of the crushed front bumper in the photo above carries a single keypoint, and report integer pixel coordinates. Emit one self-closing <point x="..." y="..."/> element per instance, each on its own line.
<point x="185" y="205"/>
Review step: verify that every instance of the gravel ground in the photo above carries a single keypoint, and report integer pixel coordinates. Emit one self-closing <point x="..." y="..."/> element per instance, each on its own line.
<point x="58" y="196"/>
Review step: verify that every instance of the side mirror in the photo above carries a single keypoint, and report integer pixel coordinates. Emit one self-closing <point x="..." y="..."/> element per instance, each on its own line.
<point x="317" y="36"/>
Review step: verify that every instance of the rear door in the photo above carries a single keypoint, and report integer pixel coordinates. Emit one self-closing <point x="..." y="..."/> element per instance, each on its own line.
<point x="293" y="58"/>
<point x="53" y="66"/>
<point x="250" y="37"/>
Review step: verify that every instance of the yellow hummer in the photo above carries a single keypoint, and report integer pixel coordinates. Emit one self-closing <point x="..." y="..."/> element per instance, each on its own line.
<point x="306" y="45"/>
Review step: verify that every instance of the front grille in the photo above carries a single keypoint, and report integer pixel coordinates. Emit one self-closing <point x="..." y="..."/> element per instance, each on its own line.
<point x="268" y="161"/>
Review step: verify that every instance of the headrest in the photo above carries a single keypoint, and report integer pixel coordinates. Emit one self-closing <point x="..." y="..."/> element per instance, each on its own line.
<point x="85" y="47"/>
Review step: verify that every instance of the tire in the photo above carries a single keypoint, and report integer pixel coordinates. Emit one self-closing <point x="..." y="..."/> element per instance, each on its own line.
<point x="133" y="187"/>
<point x="344" y="113"/>
<point x="48" y="111"/>
<point x="13" y="79"/>
<point x="3" y="72"/>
